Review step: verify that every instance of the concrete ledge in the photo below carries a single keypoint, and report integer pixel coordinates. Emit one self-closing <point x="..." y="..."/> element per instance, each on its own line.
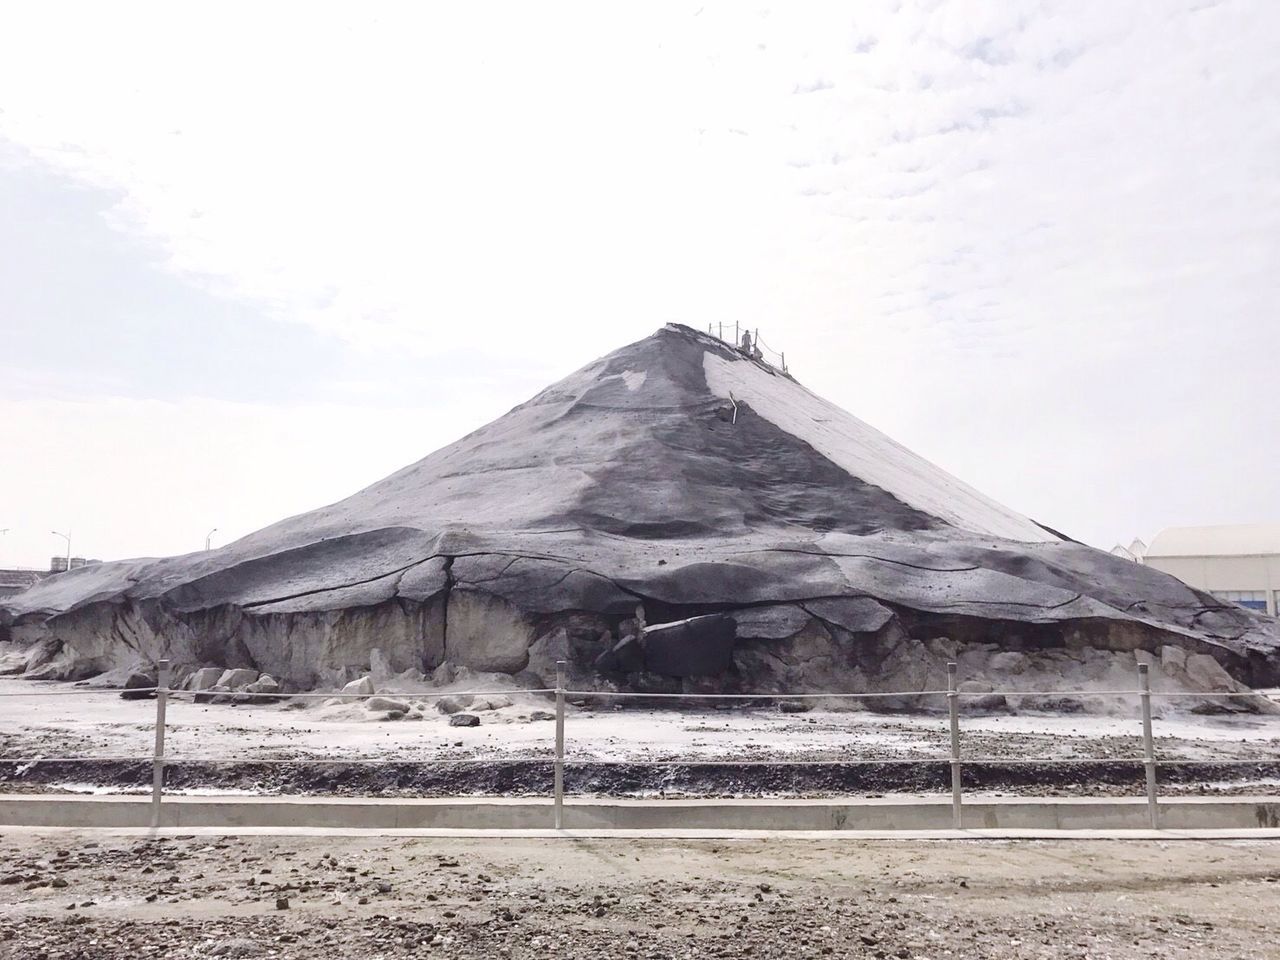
<point x="887" y="815"/>
<point x="852" y="836"/>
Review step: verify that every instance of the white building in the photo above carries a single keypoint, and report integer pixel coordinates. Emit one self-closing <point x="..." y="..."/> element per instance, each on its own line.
<point x="1236" y="563"/>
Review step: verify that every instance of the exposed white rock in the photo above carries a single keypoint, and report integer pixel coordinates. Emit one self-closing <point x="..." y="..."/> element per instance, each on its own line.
<point x="386" y="704"/>
<point x="454" y="704"/>
<point x="487" y="632"/>
<point x="1205" y="673"/>
<point x="380" y="666"/>
<point x="261" y="690"/>
<point x="1173" y="659"/>
<point x="491" y="703"/>
<point x="237" y="678"/>
<point x="363" y="687"/>
<point x="204" y="678"/>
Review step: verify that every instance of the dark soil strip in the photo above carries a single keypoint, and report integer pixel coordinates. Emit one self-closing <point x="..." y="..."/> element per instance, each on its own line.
<point x="534" y="778"/>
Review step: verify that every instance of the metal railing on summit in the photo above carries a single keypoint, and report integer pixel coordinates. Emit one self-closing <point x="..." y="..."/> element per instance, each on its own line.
<point x="774" y="358"/>
<point x="559" y="760"/>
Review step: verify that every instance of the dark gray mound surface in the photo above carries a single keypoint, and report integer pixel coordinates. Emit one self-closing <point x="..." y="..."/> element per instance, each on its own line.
<point x="673" y="479"/>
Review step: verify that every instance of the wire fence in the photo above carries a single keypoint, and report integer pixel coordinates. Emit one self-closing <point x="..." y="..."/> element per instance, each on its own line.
<point x="159" y="759"/>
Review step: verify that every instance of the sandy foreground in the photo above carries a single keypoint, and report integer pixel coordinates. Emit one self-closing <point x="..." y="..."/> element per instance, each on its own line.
<point x="100" y="895"/>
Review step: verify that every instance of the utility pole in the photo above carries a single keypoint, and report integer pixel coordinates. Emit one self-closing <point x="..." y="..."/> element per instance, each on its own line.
<point x="208" y="537"/>
<point x="66" y="537"/>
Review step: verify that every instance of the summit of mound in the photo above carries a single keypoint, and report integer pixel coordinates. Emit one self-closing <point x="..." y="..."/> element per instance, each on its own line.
<point x="646" y="443"/>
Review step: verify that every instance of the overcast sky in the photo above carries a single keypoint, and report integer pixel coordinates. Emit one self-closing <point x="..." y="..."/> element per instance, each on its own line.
<point x="254" y="257"/>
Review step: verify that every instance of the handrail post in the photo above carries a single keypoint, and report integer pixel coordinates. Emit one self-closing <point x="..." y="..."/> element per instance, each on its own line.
<point x="953" y="708"/>
<point x="1148" y="745"/>
<point x="559" y="766"/>
<point x="157" y="760"/>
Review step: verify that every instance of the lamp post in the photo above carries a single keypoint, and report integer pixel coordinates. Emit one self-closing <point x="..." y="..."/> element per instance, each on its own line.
<point x="208" y="537"/>
<point x="66" y="537"/>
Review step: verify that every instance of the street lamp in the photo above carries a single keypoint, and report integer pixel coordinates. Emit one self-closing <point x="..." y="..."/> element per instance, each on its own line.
<point x="66" y="537"/>
<point x="208" y="537"/>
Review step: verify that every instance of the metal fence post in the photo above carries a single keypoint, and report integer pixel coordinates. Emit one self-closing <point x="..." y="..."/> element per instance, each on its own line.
<point x="157" y="761"/>
<point x="1148" y="745"/>
<point x="953" y="708"/>
<point x="559" y="779"/>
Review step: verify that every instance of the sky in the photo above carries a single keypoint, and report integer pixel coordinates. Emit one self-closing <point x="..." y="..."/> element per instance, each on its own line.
<point x="254" y="257"/>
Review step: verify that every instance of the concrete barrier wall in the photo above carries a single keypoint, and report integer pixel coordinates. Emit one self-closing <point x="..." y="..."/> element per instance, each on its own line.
<point x="888" y="814"/>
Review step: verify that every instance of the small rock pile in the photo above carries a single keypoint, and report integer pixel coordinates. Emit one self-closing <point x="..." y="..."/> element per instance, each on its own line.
<point x="243" y="685"/>
<point x="387" y="706"/>
<point x="210" y="685"/>
<point x="240" y="685"/>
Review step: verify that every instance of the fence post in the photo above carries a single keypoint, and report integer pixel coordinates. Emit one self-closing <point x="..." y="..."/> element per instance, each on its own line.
<point x="559" y="777"/>
<point x="1148" y="745"/>
<point x="157" y="761"/>
<point x="953" y="708"/>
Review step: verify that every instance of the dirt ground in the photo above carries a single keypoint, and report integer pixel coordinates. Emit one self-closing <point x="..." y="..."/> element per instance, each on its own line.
<point x="65" y="895"/>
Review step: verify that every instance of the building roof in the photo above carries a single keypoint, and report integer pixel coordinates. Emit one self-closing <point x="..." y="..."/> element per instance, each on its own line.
<point x="1239" y="540"/>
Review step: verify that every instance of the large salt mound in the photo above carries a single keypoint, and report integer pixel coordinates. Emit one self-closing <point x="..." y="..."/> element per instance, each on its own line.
<point x="679" y="476"/>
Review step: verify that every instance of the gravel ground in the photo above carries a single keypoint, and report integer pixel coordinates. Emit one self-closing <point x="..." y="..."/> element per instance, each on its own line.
<point x="69" y="895"/>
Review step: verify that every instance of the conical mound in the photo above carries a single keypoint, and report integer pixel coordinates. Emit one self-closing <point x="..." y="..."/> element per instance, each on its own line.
<point x="675" y="479"/>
